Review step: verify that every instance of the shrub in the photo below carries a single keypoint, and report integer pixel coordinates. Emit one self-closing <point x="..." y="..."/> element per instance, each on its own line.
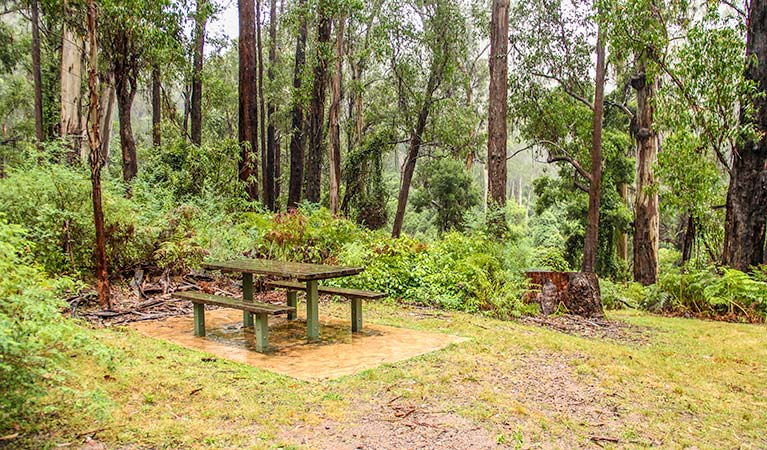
<point x="52" y="202"/>
<point x="34" y="337"/>
<point x="305" y="235"/>
<point x="730" y="294"/>
<point x="447" y="188"/>
<point x="617" y="295"/>
<point x="458" y="272"/>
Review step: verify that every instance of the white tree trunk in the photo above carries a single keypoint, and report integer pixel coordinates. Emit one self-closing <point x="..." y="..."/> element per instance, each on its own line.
<point x="71" y="79"/>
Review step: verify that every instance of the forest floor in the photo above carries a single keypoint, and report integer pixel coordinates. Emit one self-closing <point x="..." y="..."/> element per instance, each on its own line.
<point x="650" y="382"/>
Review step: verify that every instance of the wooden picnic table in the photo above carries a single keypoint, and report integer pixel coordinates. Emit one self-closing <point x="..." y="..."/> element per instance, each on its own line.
<point x="302" y="272"/>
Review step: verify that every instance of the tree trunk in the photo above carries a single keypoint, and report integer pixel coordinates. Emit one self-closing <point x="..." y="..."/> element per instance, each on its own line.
<point x="496" y="120"/>
<point x="689" y="239"/>
<point x="37" y="78"/>
<point x="107" y="106"/>
<point x="356" y="96"/>
<point x="298" y="137"/>
<point x="267" y="161"/>
<point x="199" y="55"/>
<point x="575" y="292"/>
<point x="335" y="130"/>
<point x="277" y="168"/>
<point x="646" y="225"/>
<point x="414" y="147"/>
<point x="272" y="149"/>
<point x="317" y="111"/>
<point x="156" y="110"/>
<point x="622" y="245"/>
<point x="126" y="91"/>
<point x="187" y="97"/>
<point x="591" y="242"/>
<point x="746" y="215"/>
<point x="96" y="162"/>
<point x="71" y="77"/>
<point x="248" y="125"/>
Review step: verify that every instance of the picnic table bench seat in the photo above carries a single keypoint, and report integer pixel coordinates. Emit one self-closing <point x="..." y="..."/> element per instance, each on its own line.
<point x="260" y="310"/>
<point x="355" y="295"/>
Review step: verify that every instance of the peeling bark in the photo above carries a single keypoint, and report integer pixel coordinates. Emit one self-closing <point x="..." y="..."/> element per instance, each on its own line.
<point x="248" y="104"/>
<point x="746" y="215"/>
<point x="497" y="118"/>
<point x="591" y="242"/>
<point x="96" y="162"/>
<point x="335" y="131"/>
<point x="298" y="137"/>
<point x="646" y="217"/>
<point x="71" y="77"/>
<point x="317" y="111"/>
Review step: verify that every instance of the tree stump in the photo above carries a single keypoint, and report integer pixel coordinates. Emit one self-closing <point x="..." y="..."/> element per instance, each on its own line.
<point x="575" y="292"/>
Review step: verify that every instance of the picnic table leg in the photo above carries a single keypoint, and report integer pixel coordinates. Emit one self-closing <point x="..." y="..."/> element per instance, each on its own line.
<point x="292" y="301"/>
<point x="356" y="315"/>
<point x="247" y="296"/>
<point x="199" y="319"/>
<point x="312" y="311"/>
<point x="262" y="333"/>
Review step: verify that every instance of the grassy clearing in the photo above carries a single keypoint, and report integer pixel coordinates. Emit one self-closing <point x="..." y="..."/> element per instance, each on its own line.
<point x="693" y="384"/>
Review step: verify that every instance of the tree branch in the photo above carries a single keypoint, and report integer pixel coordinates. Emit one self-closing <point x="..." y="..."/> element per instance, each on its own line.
<point x="580" y="186"/>
<point x="564" y="157"/>
<point x="581" y="171"/>
<point x="622" y="107"/>
<point x="740" y="12"/>
<point x="566" y="88"/>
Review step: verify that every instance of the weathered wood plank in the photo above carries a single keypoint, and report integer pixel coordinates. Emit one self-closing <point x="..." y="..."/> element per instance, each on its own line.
<point x="262" y="332"/>
<point x="247" y="296"/>
<point x="312" y="311"/>
<point x="356" y="315"/>
<point x="285" y="269"/>
<point x="343" y="292"/>
<point x="199" y="319"/>
<point x="292" y="302"/>
<point x="253" y="307"/>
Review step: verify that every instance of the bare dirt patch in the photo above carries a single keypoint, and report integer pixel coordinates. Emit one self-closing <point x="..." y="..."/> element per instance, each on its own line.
<point x="395" y="426"/>
<point x="538" y="400"/>
<point x="593" y="328"/>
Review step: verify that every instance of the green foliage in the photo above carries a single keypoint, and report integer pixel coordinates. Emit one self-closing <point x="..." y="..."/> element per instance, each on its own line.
<point x="186" y="170"/>
<point x="35" y="340"/>
<point x="307" y="237"/>
<point x="155" y="227"/>
<point x="365" y="197"/>
<point x="702" y="126"/>
<point x="459" y="272"/>
<point x="180" y="248"/>
<point x="730" y="294"/>
<point x="448" y="189"/>
<point x="550" y="258"/>
<point x="620" y="295"/>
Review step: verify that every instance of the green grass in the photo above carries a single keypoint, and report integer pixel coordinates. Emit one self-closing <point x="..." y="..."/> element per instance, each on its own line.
<point x="694" y="383"/>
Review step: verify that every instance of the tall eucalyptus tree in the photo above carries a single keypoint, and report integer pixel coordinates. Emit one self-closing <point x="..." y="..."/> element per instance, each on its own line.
<point x="424" y="55"/>
<point x="248" y="99"/>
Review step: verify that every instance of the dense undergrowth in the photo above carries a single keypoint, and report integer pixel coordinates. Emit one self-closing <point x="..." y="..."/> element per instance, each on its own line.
<point x="36" y="341"/>
<point x="172" y="224"/>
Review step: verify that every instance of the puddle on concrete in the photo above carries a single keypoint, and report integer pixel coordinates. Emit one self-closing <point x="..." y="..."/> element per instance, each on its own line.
<point x="338" y="353"/>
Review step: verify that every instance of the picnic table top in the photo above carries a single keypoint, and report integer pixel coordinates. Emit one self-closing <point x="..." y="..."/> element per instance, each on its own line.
<point x="284" y="269"/>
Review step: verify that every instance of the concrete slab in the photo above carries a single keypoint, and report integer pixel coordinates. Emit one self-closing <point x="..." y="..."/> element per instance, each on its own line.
<point x="338" y="353"/>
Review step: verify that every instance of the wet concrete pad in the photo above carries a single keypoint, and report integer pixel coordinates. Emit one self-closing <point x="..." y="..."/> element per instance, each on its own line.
<point x="338" y="353"/>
